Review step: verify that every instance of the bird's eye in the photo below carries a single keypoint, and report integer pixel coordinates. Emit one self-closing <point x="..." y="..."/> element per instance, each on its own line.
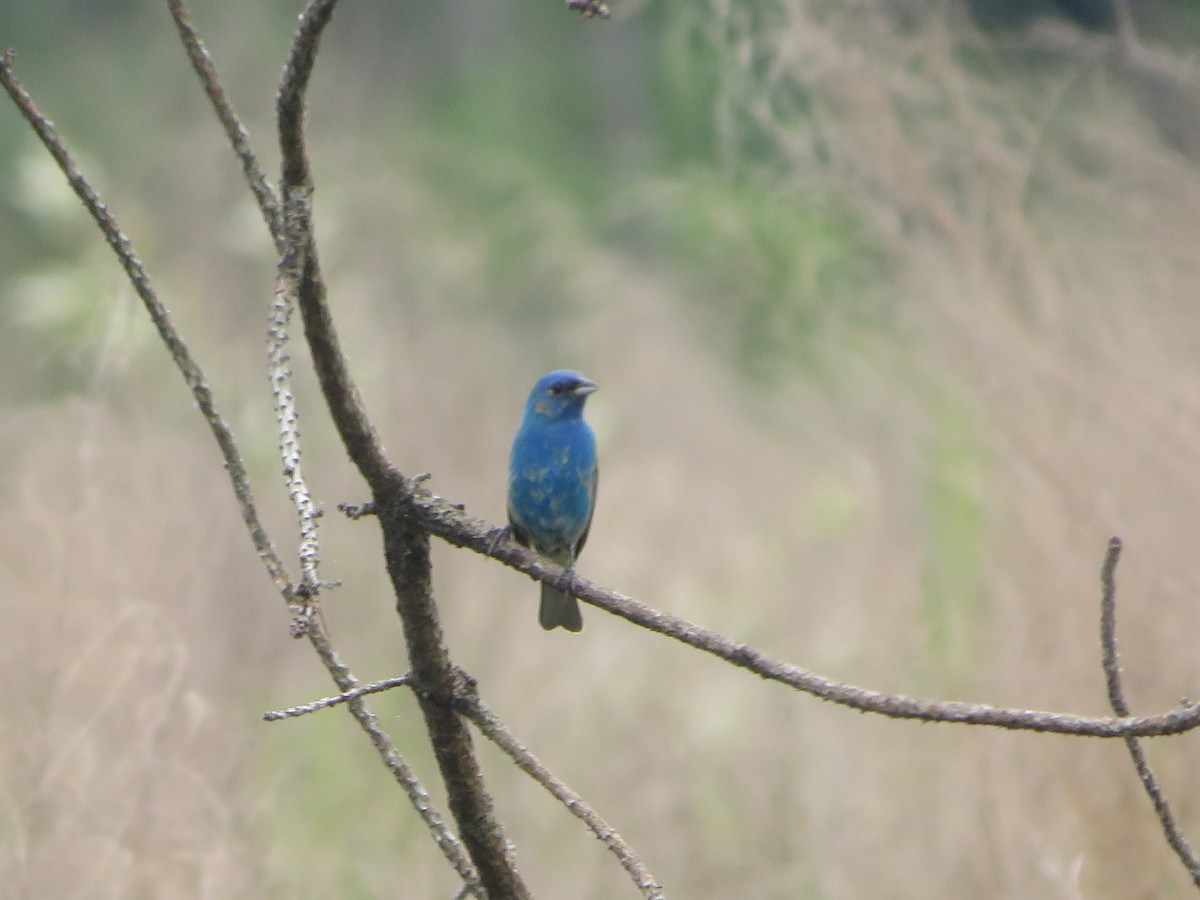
<point x="558" y="388"/>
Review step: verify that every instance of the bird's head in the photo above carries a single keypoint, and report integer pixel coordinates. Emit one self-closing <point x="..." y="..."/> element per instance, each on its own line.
<point x="559" y="395"/>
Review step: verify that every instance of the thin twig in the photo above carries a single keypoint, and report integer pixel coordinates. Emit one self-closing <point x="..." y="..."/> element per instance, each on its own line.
<point x="449" y="522"/>
<point x="451" y="847"/>
<point x="1116" y="699"/>
<point x="1108" y="628"/>
<point x="406" y="547"/>
<point x="239" y="137"/>
<point x="356" y="511"/>
<point x="590" y="9"/>
<point x="138" y="277"/>
<point x="494" y="730"/>
<point x="299" y="262"/>
<point x="386" y="685"/>
<point x="278" y="361"/>
<point x="287" y="417"/>
<point x="299" y="276"/>
<point x="194" y="377"/>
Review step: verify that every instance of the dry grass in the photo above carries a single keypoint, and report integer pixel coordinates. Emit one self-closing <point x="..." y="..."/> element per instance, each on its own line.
<point x="117" y="757"/>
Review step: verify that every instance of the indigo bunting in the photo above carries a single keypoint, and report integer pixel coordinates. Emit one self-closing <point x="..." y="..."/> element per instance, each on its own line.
<point x="552" y="478"/>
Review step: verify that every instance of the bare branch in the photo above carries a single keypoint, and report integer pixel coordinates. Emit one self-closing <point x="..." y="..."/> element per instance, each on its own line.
<point x="297" y="260"/>
<point x="238" y="137"/>
<point x="1116" y="698"/>
<point x="437" y="682"/>
<point x="450" y="845"/>
<point x="406" y="545"/>
<point x="138" y="277"/>
<point x="590" y="9"/>
<point x="467" y="703"/>
<point x="289" y="104"/>
<point x="1108" y="628"/>
<point x="449" y="522"/>
<point x="278" y="361"/>
<point x="386" y="685"/>
<point x="300" y="278"/>
<point x="494" y="730"/>
<point x="356" y="511"/>
<point x="135" y="271"/>
<point x="290" y="449"/>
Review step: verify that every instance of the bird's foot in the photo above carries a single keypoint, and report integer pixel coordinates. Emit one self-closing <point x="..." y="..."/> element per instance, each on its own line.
<point x="566" y="581"/>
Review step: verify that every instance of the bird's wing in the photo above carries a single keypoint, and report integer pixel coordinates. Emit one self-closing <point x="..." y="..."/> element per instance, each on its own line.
<point x="518" y="534"/>
<point x="591" y="509"/>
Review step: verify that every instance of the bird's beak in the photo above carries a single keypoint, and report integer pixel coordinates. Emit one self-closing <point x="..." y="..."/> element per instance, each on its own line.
<point x="584" y="388"/>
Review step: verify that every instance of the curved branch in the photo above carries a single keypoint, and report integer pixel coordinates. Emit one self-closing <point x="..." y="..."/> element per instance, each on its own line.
<point x="494" y="730"/>
<point x="299" y="283"/>
<point x="289" y="104"/>
<point x="135" y="271"/>
<point x="467" y="703"/>
<point x="406" y="545"/>
<point x="1116" y="699"/>
<point x="278" y="362"/>
<point x="437" y="682"/>
<point x="345" y="697"/>
<point x="299" y="269"/>
<point x="450" y="845"/>
<point x="194" y="376"/>
<point x="239" y="138"/>
<point x="450" y="523"/>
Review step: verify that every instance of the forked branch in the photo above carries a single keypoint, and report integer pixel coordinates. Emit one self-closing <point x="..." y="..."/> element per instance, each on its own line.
<point x="234" y="465"/>
<point x="1116" y="699"/>
<point x="406" y="545"/>
<point x="450" y="523"/>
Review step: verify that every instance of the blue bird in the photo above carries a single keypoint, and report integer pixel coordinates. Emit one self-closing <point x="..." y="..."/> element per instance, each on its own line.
<point x="552" y="477"/>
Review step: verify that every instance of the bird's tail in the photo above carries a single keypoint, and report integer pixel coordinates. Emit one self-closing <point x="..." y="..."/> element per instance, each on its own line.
<point x="559" y="608"/>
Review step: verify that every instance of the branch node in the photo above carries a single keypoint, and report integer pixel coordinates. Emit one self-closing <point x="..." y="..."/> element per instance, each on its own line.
<point x="344" y="697"/>
<point x="358" y="511"/>
<point x="590" y="9"/>
<point x="1116" y="699"/>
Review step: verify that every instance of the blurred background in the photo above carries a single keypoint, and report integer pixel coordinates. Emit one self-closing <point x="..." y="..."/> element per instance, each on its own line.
<point x="893" y="309"/>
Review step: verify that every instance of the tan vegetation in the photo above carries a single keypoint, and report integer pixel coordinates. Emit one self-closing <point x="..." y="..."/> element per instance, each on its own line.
<point x="920" y="507"/>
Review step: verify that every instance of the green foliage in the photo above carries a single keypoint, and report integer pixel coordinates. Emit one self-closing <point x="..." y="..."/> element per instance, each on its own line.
<point x="329" y="797"/>
<point x="766" y="255"/>
<point x="63" y="295"/>
<point x="522" y="227"/>
<point x="767" y="266"/>
<point x="954" y="576"/>
<point x="709" y="65"/>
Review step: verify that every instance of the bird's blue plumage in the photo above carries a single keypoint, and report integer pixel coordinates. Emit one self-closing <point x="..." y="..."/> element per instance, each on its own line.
<point x="552" y="475"/>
